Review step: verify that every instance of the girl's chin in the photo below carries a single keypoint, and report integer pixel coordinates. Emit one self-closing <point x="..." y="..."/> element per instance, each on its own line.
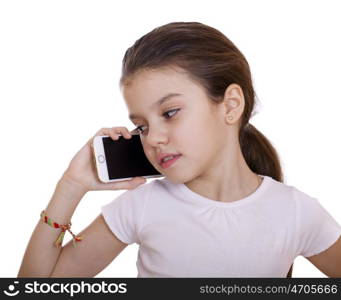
<point x="177" y="177"/>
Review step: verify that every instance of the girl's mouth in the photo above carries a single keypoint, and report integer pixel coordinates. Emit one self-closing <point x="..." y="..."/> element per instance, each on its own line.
<point x="166" y="164"/>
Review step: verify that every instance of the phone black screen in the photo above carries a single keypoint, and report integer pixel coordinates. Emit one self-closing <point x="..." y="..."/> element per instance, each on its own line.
<point x="126" y="158"/>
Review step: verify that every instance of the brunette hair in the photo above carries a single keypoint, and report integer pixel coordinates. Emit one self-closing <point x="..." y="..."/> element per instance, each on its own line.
<point x="211" y="59"/>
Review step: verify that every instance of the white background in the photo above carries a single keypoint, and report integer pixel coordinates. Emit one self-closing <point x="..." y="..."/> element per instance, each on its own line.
<point x="60" y="63"/>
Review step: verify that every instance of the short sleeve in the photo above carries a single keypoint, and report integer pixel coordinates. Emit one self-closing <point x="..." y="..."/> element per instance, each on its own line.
<point x="317" y="229"/>
<point x="123" y="216"/>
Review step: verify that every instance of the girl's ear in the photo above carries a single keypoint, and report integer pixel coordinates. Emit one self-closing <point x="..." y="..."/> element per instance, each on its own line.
<point x="234" y="103"/>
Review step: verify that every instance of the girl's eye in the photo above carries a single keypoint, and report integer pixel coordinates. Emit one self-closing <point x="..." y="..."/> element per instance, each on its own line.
<point x="138" y="128"/>
<point x="176" y="110"/>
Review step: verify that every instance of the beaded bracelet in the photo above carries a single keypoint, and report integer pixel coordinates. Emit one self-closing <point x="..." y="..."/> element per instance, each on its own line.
<point x="65" y="227"/>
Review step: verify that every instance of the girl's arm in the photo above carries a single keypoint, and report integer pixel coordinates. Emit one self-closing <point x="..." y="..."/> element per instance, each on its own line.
<point x="41" y="255"/>
<point x="90" y="256"/>
<point x="329" y="261"/>
<point x="96" y="251"/>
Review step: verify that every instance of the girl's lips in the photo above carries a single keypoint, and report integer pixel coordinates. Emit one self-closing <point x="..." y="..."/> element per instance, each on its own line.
<point x="170" y="162"/>
<point x="161" y="156"/>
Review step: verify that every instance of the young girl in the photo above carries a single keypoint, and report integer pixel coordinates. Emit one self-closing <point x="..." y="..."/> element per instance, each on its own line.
<point x="221" y="209"/>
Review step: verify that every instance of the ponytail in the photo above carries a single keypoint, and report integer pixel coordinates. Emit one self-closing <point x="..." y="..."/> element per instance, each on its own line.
<point x="259" y="154"/>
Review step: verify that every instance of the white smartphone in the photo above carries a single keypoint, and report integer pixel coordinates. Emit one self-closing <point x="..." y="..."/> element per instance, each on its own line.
<point x="121" y="159"/>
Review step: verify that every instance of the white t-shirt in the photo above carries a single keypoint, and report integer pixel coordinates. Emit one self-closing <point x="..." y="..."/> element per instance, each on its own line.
<point x="183" y="234"/>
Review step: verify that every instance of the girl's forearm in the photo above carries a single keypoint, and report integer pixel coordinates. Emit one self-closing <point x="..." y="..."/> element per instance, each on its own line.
<point x="41" y="255"/>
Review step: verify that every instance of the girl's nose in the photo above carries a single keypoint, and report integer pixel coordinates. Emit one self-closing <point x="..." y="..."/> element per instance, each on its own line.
<point x="155" y="136"/>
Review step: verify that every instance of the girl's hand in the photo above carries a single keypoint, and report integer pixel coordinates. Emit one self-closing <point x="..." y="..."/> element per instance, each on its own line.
<point x="82" y="169"/>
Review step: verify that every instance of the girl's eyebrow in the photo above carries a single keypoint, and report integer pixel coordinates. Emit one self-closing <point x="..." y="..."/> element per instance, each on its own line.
<point x="158" y="102"/>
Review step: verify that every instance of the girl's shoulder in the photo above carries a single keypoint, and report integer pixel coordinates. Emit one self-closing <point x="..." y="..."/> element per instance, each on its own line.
<point x="289" y="191"/>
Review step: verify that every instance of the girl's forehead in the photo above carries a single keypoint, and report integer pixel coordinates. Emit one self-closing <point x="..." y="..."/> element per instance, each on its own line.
<point x="164" y="74"/>
<point x="157" y="83"/>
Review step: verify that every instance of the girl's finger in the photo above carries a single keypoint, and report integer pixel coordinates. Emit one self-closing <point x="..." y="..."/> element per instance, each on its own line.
<point x="126" y="133"/>
<point x="123" y="185"/>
